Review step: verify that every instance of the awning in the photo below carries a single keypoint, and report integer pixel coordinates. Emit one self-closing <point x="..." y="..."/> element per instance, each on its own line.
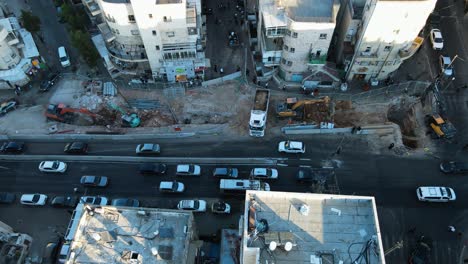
<point x="181" y="78"/>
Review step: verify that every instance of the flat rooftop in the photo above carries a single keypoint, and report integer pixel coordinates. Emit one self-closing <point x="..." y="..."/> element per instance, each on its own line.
<point x="276" y="11"/>
<point x="282" y="227"/>
<point x="133" y="235"/>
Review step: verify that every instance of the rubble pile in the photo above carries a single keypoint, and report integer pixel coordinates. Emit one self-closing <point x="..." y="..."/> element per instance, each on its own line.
<point x="155" y="118"/>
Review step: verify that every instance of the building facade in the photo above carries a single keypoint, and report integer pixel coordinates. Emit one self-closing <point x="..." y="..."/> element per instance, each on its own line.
<point x="294" y="36"/>
<point x="369" y="45"/>
<point x="14" y="247"/>
<point x="163" y="40"/>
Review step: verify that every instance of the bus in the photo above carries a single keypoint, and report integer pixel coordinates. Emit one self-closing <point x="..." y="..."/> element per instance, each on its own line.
<point x="240" y="186"/>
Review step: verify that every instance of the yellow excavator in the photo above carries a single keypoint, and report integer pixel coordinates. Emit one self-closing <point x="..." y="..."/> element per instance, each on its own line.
<point x="441" y="127"/>
<point x="294" y="108"/>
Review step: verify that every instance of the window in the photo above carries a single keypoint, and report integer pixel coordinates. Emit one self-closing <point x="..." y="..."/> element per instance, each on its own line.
<point x="317" y="53"/>
<point x="283" y="61"/>
<point x="192" y="31"/>
<point x="157" y="47"/>
<point x="135" y="32"/>
<point x="368" y="49"/>
<point x="285" y="47"/>
<point x="167" y="19"/>
<point x="387" y="48"/>
<point x="150" y="15"/>
<point x="289" y="63"/>
<point x="292" y="50"/>
<point x="117" y="32"/>
<point x="288" y="32"/>
<point x="170" y="34"/>
<point x="131" y="18"/>
<point x="154" y="32"/>
<point x="294" y="34"/>
<point x="323" y="36"/>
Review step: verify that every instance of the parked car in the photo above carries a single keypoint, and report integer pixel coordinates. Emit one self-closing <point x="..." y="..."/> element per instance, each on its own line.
<point x="76" y="148"/>
<point x="153" y="168"/>
<point x="171" y="187"/>
<point x="446" y="66"/>
<point x="12" y="147"/>
<point x="63" y="57"/>
<point x="96" y="200"/>
<point x="436" y="39"/>
<point x="435" y="194"/>
<point x="7" y="198"/>
<point x="125" y="202"/>
<point x="148" y="149"/>
<point x="192" y="205"/>
<point x="291" y="147"/>
<point x="46" y="84"/>
<point x="225" y="173"/>
<point x="49" y="255"/>
<point x="63" y="253"/>
<point x="220" y="207"/>
<point x="34" y="199"/>
<point x="64" y="201"/>
<point x="8" y="106"/>
<point x="264" y="173"/>
<point x="94" y="181"/>
<point x="53" y="166"/>
<point x="307" y="174"/>
<point x="454" y="167"/>
<point x="188" y="170"/>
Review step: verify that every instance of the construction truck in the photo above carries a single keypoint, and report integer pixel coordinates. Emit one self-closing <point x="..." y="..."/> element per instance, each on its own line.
<point x="65" y="114"/>
<point x="128" y="120"/>
<point x="441" y="127"/>
<point x="307" y="109"/>
<point x="259" y="113"/>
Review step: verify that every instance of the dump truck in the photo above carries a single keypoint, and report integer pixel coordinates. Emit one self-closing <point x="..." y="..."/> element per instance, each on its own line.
<point x="258" y="115"/>
<point x="441" y="127"/>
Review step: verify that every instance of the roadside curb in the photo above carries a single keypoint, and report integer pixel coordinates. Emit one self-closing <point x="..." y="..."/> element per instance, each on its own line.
<point x="133" y="159"/>
<point x="94" y="136"/>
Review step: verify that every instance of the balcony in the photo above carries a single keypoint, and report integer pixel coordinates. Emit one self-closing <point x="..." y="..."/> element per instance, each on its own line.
<point x="106" y="32"/>
<point x="407" y="52"/>
<point x="93" y="7"/>
<point x="317" y="60"/>
<point x="132" y="53"/>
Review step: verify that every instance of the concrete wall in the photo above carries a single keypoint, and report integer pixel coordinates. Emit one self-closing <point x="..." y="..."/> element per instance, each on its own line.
<point x="9" y="56"/>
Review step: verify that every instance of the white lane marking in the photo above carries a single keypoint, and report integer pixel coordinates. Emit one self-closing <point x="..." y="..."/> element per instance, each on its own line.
<point x="305" y="159"/>
<point x="282" y="165"/>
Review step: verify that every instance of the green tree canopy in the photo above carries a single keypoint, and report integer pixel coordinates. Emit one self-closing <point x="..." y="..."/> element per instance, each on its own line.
<point x="31" y="22"/>
<point x="82" y="41"/>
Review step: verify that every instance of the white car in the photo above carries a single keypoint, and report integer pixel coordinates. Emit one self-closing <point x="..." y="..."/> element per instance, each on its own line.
<point x="171" y="187"/>
<point x="220" y="208"/>
<point x="446" y="65"/>
<point x="34" y="199"/>
<point x="192" y="205"/>
<point x="188" y="170"/>
<point x="96" y="200"/>
<point x="436" y="39"/>
<point x="53" y="166"/>
<point x="264" y="173"/>
<point x="64" y="59"/>
<point x="435" y="194"/>
<point x="291" y="147"/>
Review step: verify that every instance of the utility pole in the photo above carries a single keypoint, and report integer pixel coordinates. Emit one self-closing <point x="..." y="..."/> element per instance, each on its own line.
<point x="397" y="245"/>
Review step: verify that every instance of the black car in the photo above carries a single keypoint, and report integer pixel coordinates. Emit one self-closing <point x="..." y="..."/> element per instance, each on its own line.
<point x="76" y="148"/>
<point x="94" y="181"/>
<point x="225" y="173"/>
<point x="153" y="168"/>
<point x="314" y="175"/>
<point x="126" y="202"/>
<point x="49" y="82"/>
<point x="12" y="147"/>
<point x="454" y="167"/>
<point x="7" y="198"/>
<point x="64" y="201"/>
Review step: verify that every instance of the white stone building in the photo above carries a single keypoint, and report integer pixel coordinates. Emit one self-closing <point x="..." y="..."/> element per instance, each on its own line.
<point x="163" y="39"/>
<point x="295" y="36"/>
<point x="376" y="36"/>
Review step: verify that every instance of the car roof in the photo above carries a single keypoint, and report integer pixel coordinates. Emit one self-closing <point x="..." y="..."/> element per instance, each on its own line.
<point x="295" y="144"/>
<point x="166" y="184"/>
<point x="187" y="203"/>
<point x="437" y="33"/>
<point x="260" y="170"/>
<point x="183" y="167"/>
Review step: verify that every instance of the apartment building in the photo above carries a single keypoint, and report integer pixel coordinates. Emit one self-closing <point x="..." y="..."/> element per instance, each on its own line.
<point x="19" y="54"/>
<point x="374" y="37"/>
<point x="294" y="36"/>
<point x="161" y="39"/>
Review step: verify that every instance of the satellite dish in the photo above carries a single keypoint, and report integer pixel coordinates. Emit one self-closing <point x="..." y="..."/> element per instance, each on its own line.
<point x="288" y="246"/>
<point x="272" y="245"/>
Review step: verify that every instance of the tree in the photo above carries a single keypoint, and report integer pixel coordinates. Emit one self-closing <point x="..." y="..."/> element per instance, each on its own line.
<point x="31" y="22"/>
<point x="75" y="17"/>
<point x="82" y="41"/>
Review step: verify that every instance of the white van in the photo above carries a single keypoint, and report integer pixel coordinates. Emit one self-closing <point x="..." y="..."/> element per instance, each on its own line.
<point x="64" y="60"/>
<point x="435" y="194"/>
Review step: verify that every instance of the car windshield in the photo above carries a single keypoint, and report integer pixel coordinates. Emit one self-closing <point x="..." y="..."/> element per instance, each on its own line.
<point x="220" y="206"/>
<point x="268" y="172"/>
<point x="191" y="168"/>
<point x="55" y="164"/>
<point x="448" y="192"/>
<point x="98" y="200"/>
<point x="196" y="204"/>
<point x="63" y="59"/>
<point x="286" y="145"/>
<point x="175" y="185"/>
<point x="35" y="198"/>
<point x="438" y="40"/>
<point x="95" y="180"/>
